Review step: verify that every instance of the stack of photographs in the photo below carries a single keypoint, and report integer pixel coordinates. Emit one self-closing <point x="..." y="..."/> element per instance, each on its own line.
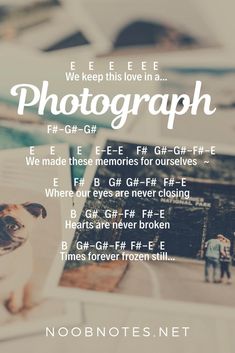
<point x="180" y="40"/>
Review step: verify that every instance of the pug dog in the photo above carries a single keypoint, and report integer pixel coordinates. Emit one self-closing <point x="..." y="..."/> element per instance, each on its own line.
<point x="16" y="259"/>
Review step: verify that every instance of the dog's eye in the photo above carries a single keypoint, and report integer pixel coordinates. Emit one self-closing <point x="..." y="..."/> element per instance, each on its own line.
<point x="13" y="227"/>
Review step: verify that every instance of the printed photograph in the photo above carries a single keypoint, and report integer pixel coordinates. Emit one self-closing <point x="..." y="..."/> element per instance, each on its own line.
<point x="216" y="81"/>
<point x="30" y="130"/>
<point x="202" y="226"/>
<point x="30" y="232"/>
<point x="36" y="24"/>
<point x="159" y="25"/>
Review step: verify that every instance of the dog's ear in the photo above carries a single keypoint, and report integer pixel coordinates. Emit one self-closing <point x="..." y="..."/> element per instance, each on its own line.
<point x="3" y="206"/>
<point x="35" y="209"/>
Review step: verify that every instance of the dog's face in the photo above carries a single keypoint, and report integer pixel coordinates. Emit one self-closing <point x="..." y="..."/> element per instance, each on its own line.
<point x="16" y="222"/>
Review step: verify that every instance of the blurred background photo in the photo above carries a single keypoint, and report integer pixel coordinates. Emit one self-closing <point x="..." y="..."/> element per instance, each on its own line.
<point x="191" y="40"/>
